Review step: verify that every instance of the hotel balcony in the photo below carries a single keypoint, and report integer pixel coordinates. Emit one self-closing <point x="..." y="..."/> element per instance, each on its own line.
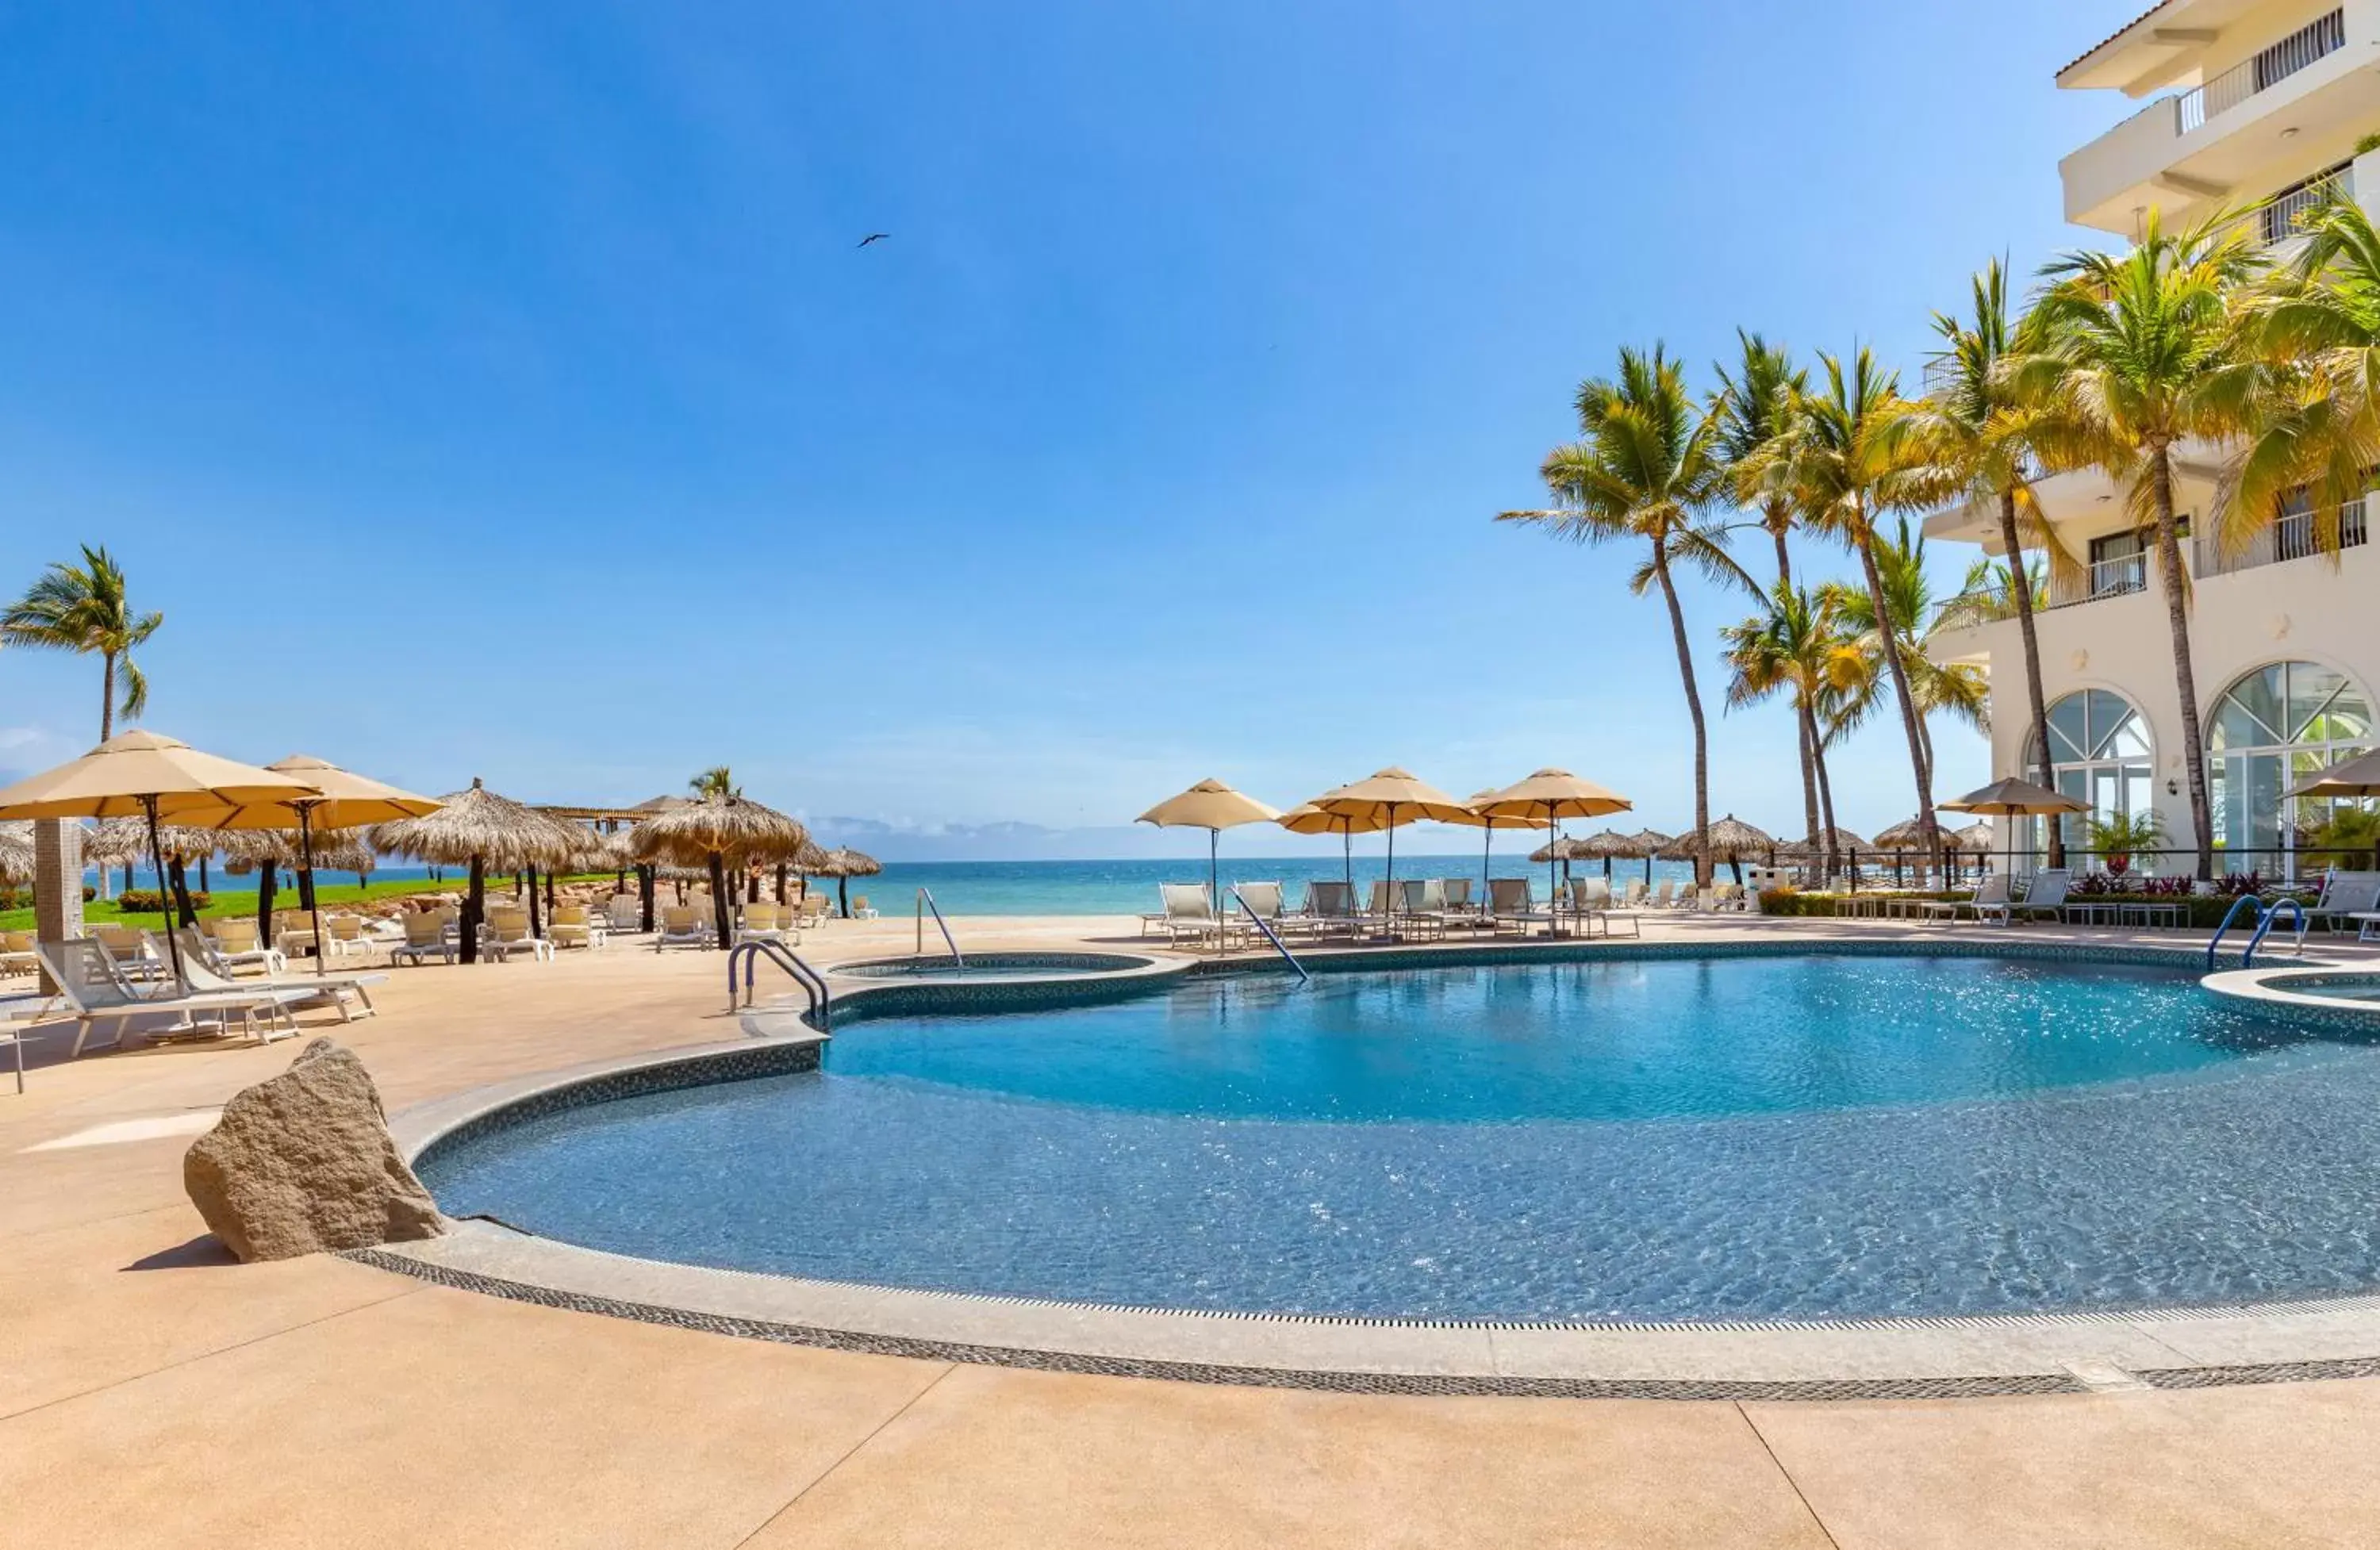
<point x="2288" y="109"/>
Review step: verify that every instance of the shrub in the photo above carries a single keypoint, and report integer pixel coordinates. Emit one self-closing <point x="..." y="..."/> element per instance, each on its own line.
<point x="148" y="901"/>
<point x="2368" y="144"/>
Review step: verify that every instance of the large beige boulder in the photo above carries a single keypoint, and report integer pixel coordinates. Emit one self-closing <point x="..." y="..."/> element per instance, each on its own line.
<point x="304" y="1162"/>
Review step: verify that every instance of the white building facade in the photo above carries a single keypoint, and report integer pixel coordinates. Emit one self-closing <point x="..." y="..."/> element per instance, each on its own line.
<point x="2248" y="102"/>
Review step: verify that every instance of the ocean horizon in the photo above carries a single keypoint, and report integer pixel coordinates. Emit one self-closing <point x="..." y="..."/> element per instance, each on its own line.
<point x="1069" y="888"/>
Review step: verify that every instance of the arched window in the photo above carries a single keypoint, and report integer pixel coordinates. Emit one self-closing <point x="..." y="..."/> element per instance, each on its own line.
<point x="2271" y="730"/>
<point x="2099" y="752"/>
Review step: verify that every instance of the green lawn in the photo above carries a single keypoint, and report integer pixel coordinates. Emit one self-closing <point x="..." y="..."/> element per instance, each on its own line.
<point x="239" y="898"/>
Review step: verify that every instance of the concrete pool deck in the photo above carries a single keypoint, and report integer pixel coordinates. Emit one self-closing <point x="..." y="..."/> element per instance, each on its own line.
<point x="151" y="1392"/>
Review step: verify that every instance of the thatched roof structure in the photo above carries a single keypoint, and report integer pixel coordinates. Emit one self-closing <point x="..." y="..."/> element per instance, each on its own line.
<point x="125" y="842"/>
<point x="479" y="825"/>
<point x="845" y="862"/>
<point x="731" y="828"/>
<point x="1649" y="841"/>
<point x="337" y="850"/>
<point x="812" y="859"/>
<point x="1909" y="835"/>
<point x="1568" y="849"/>
<point x="1844" y="840"/>
<point x="1974" y="836"/>
<point x="17" y="851"/>
<point x="1731" y="836"/>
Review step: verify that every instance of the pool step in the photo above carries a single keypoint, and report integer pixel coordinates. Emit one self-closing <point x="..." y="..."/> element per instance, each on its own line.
<point x="2103" y="1377"/>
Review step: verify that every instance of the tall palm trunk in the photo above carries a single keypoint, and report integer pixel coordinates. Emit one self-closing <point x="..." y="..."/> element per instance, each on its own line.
<point x="1693" y="710"/>
<point x="2177" y="615"/>
<point x="106" y="696"/>
<point x="1909" y="713"/>
<point x="1776" y="524"/>
<point x="1825" y="801"/>
<point x="1822" y="801"/>
<point x="2022" y="585"/>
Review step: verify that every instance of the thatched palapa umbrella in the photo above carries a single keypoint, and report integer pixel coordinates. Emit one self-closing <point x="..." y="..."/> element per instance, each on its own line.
<point x="842" y="863"/>
<point x="708" y="831"/>
<point x="1729" y="837"/>
<point x="479" y="829"/>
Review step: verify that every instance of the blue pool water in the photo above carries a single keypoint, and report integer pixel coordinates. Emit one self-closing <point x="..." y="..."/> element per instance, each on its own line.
<point x="1657" y="1138"/>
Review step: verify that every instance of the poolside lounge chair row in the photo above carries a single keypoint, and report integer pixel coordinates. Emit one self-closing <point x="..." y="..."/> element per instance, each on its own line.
<point x="1418" y="908"/>
<point x="95" y="989"/>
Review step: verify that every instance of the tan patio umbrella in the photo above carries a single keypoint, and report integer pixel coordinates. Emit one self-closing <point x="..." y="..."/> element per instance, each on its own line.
<point x="1308" y="818"/>
<point x="1729" y="837"/>
<point x="1213" y="806"/>
<point x="2012" y="798"/>
<point x="479" y="829"/>
<point x="842" y="863"/>
<point x="1555" y="794"/>
<point x="1480" y="804"/>
<point x="155" y="776"/>
<point x="1389" y="798"/>
<point x="340" y="799"/>
<point x="706" y="833"/>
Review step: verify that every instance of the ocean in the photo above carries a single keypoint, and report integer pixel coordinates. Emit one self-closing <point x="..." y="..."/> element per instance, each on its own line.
<point x="1076" y="888"/>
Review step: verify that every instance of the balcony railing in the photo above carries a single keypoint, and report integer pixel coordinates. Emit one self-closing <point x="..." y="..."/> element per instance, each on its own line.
<point x="2293" y="536"/>
<point x="2260" y="71"/>
<point x="2101" y="578"/>
<point x="2277" y="222"/>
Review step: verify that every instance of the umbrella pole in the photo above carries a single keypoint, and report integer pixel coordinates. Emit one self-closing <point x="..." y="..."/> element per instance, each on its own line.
<point x="313" y="900"/>
<point x="1487" y="864"/>
<point x="1553" y="854"/>
<point x="1389" y="899"/>
<point x="1347" y="855"/>
<point x="1215" y="887"/>
<point x="165" y="904"/>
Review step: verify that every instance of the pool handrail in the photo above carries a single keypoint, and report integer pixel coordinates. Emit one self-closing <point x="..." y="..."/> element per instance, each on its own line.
<point x="813" y="984"/>
<point x="2247" y="901"/>
<point x="1273" y="937"/>
<point x="924" y="903"/>
<point x="2272" y="914"/>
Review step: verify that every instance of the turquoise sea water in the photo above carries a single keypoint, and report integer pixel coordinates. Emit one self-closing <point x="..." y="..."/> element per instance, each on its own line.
<point x="1064" y="888"/>
<point x="1130" y="887"/>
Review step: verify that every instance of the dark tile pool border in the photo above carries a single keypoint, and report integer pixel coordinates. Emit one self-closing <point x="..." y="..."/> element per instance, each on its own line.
<point x="2008" y="1350"/>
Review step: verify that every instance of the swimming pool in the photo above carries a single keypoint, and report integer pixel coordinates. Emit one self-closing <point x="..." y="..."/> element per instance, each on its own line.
<point x="1625" y="1138"/>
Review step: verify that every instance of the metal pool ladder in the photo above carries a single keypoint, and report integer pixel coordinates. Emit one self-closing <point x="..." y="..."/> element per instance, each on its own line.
<point x="2264" y="916"/>
<point x="1274" y="937"/>
<point x="924" y="903"/>
<point x="813" y="984"/>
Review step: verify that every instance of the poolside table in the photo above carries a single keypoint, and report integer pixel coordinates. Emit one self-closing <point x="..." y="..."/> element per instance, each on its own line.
<point x="2151" y="912"/>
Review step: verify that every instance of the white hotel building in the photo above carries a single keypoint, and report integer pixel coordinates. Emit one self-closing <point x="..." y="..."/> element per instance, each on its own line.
<point x="2246" y="101"/>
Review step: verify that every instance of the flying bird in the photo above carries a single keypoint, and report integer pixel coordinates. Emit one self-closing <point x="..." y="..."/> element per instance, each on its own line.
<point x="873" y="236"/>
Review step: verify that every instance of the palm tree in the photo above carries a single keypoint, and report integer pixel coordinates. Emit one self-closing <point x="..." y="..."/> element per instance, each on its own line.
<point x="1847" y="454"/>
<point x="1752" y="406"/>
<point x="1981" y="438"/>
<point x="2318" y="323"/>
<point x="715" y="782"/>
<point x="1796" y="647"/>
<point x="1647" y="468"/>
<point x="83" y="609"/>
<point x="1957" y="690"/>
<point x="2138" y="352"/>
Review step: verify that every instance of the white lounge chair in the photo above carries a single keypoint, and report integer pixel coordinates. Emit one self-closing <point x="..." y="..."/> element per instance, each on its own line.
<point x="628" y="912"/>
<point x="1991" y="897"/>
<point x="1421" y="908"/>
<point x="207" y="975"/>
<point x="1510" y="903"/>
<point x="427" y="935"/>
<point x="2344" y="896"/>
<point x="1262" y="902"/>
<point x="1189" y="912"/>
<point x="682" y="925"/>
<point x="571" y="928"/>
<point x="347" y="937"/>
<point x="2046" y="894"/>
<point x="861" y="909"/>
<point x="236" y="943"/>
<point x="96" y="991"/>
<point x="508" y="932"/>
<point x="1330" y="910"/>
<point x="758" y="923"/>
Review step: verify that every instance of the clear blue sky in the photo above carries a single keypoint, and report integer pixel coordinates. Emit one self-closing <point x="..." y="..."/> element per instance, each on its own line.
<point x="498" y="390"/>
